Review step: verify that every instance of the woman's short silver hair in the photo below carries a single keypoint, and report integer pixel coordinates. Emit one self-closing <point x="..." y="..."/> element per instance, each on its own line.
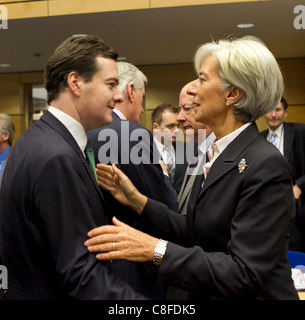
<point x="249" y="65"/>
<point x="128" y="74"/>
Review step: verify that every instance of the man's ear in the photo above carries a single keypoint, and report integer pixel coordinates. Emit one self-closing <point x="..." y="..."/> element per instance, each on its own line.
<point x="155" y="125"/>
<point x="6" y="136"/>
<point x="130" y="92"/>
<point x="234" y="94"/>
<point x="286" y="113"/>
<point x="74" y="81"/>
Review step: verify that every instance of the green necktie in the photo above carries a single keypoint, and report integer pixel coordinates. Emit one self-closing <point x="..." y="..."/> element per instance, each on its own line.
<point x="90" y="157"/>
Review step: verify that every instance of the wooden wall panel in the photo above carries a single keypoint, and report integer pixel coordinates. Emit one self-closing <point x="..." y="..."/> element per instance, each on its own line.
<point x="29" y="9"/>
<point x="20" y="9"/>
<point x="294" y="77"/>
<point x="179" y="3"/>
<point x="9" y="94"/>
<point x="64" y="7"/>
<point x="164" y="85"/>
<point x="10" y="1"/>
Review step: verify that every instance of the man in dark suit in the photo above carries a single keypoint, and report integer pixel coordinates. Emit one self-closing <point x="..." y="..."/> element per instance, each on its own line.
<point x="289" y="138"/>
<point x="49" y="196"/>
<point x="147" y="175"/>
<point x="172" y="151"/>
<point x="187" y="119"/>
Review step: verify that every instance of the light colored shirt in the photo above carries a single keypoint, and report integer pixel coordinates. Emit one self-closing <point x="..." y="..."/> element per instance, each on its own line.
<point x="3" y="156"/>
<point x="163" y="153"/>
<point x="206" y="144"/>
<point x="217" y="147"/>
<point x="279" y="137"/>
<point x="75" y="128"/>
<point x="119" y="114"/>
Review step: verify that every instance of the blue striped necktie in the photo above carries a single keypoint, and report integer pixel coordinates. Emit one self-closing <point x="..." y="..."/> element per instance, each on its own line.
<point x="169" y="161"/>
<point x="273" y="139"/>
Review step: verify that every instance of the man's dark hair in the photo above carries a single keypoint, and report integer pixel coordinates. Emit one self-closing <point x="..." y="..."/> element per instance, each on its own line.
<point x="156" y="116"/>
<point x="284" y="102"/>
<point x="76" y="54"/>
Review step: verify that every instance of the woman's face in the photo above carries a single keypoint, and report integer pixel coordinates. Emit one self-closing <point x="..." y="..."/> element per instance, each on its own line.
<point x="209" y="98"/>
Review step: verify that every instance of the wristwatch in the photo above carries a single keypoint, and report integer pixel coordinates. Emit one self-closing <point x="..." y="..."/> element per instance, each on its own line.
<point x="159" y="253"/>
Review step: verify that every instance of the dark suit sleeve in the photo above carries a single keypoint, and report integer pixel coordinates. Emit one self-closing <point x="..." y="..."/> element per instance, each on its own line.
<point x="66" y="201"/>
<point x="259" y="232"/>
<point x="164" y="223"/>
<point x="147" y="176"/>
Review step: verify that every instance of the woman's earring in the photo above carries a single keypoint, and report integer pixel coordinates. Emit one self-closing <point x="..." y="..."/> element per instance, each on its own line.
<point x="227" y="104"/>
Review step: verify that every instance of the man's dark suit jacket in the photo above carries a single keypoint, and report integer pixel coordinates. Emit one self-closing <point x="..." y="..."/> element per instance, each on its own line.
<point x="233" y="243"/>
<point x="149" y="180"/>
<point x="49" y="201"/>
<point x="294" y="152"/>
<point x="180" y="168"/>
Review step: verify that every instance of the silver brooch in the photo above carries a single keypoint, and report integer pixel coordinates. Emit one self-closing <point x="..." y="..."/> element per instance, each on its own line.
<point x="242" y="166"/>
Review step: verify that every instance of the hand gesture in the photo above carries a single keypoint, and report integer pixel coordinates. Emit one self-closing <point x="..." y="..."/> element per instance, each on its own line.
<point x="117" y="183"/>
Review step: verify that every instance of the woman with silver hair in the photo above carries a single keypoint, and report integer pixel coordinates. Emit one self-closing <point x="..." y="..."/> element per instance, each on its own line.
<point x="233" y="243"/>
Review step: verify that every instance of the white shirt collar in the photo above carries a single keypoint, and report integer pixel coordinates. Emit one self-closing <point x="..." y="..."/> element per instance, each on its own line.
<point x="277" y="131"/>
<point x="219" y="146"/>
<point x="75" y="128"/>
<point x="161" y="147"/>
<point x="206" y="143"/>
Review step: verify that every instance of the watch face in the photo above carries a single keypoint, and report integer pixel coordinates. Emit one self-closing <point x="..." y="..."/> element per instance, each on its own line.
<point x="159" y="252"/>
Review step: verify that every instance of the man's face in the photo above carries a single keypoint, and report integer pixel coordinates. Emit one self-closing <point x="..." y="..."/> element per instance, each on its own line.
<point x="275" y="118"/>
<point x="137" y="107"/>
<point x="187" y="115"/>
<point x="3" y="137"/>
<point x="99" y="97"/>
<point x="169" y="125"/>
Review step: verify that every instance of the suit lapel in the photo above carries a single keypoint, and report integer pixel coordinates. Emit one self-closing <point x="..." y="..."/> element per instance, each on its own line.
<point x="64" y="132"/>
<point x="186" y="190"/>
<point x="229" y="158"/>
<point x="288" y="140"/>
<point x="198" y="171"/>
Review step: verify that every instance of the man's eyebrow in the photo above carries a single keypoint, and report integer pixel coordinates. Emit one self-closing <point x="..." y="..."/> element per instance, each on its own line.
<point x="113" y="79"/>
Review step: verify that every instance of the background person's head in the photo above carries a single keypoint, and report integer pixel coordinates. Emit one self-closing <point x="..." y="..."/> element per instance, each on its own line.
<point x="7" y="131"/>
<point x="275" y="118"/>
<point x="132" y="86"/>
<point x="164" y="117"/>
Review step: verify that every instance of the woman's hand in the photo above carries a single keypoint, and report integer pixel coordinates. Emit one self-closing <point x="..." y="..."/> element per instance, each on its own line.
<point x="121" y="242"/>
<point x="117" y="183"/>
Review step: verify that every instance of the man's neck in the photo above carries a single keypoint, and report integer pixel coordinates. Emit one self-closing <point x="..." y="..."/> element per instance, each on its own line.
<point x="273" y="129"/>
<point x="3" y="146"/>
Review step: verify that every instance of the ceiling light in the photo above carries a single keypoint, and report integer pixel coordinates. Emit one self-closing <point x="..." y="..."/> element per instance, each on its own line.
<point x="5" y="65"/>
<point x="79" y="35"/>
<point x="245" y="25"/>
